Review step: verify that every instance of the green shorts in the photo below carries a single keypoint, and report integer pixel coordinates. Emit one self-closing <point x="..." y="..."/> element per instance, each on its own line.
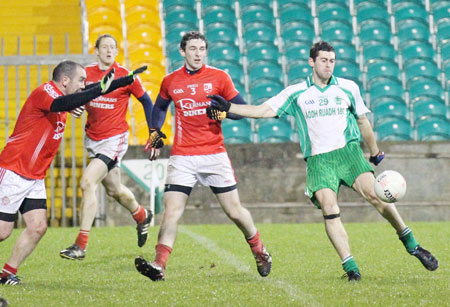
<point x="334" y="168"/>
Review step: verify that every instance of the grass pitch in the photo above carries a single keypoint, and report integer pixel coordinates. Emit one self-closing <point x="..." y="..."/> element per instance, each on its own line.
<point x="211" y="265"/>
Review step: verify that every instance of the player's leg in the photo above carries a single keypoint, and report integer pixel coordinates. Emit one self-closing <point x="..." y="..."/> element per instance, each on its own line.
<point x="228" y="198"/>
<point x="93" y="174"/>
<point x="364" y="185"/>
<point x="8" y="273"/>
<point x="123" y="195"/>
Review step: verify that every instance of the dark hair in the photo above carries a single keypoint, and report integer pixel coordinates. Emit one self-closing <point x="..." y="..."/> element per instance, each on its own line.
<point x="320" y="46"/>
<point x="65" y="68"/>
<point x="192" y="35"/>
<point x="99" y="39"/>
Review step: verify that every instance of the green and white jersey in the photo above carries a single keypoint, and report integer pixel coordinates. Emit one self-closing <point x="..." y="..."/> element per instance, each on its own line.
<point x="325" y="117"/>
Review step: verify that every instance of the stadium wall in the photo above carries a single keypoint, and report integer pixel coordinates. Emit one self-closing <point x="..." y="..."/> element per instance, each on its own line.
<point x="271" y="182"/>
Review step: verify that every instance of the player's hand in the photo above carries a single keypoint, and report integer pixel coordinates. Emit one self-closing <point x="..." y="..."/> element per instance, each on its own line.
<point x="138" y="71"/>
<point x="107" y="80"/>
<point x="215" y="114"/>
<point x="219" y="103"/>
<point x="377" y="158"/>
<point x="77" y="112"/>
<point x="154" y="143"/>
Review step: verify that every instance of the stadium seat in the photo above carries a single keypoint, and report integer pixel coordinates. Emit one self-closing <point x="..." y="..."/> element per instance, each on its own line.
<point x="410" y="29"/>
<point x="282" y="3"/>
<point x="420" y="68"/>
<point x="246" y="3"/>
<point x="374" y="30"/>
<point x="444" y="51"/>
<point x="257" y="13"/>
<point x="369" y="11"/>
<point x="433" y="129"/>
<point x="344" y="50"/>
<point x="263" y="52"/>
<point x="206" y="4"/>
<point x="180" y="14"/>
<point x="233" y="69"/>
<point x="144" y="34"/>
<point x="294" y="12"/>
<point x="447" y="75"/>
<point x="388" y="110"/>
<point x="139" y="14"/>
<point x="298" y="71"/>
<point x="336" y="31"/>
<point x="428" y="106"/>
<point x="417" y="50"/>
<point x="297" y="32"/>
<point x="224" y="51"/>
<point x="332" y="11"/>
<point x="273" y="131"/>
<point x="265" y="90"/>
<point x="388" y="88"/>
<point x="441" y="12"/>
<point x="394" y="130"/>
<point x="320" y="3"/>
<point x="297" y="51"/>
<point x="410" y="10"/>
<point x="105" y="17"/>
<point x="259" y="32"/>
<point x="443" y="33"/>
<point x="222" y="32"/>
<point x="265" y="71"/>
<point x="424" y="87"/>
<point x="347" y="69"/>
<point x="169" y="4"/>
<point x="378" y="50"/>
<point x="237" y="131"/>
<point x="173" y="37"/>
<point x="382" y="69"/>
<point x="219" y="14"/>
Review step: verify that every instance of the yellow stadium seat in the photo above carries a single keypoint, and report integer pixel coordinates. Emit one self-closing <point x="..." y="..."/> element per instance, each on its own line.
<point x="105" y="17"/>
<point x="109" y="4"/>
<point x="151" y="4"/>
<point x="145" y="34"/>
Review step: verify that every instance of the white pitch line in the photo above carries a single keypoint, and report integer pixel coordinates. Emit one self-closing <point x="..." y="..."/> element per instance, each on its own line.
<point x="291" y="290"/>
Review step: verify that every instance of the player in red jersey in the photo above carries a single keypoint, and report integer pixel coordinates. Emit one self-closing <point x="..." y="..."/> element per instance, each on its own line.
<point x="31" y="148"/>
<point x="107" y="142"/>
<point x="198" y="152"/>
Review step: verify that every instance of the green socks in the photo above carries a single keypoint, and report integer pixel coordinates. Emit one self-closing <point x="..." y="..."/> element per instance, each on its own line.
<point x="349" y="264"/>
<point x="407" y="238"/>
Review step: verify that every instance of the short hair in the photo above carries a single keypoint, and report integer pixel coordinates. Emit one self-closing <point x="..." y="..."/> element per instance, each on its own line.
<point x="99" y="39"/>
<point x="65" y="68"/>
<point x="320" y="46"/>
<point x="192" y="35"/>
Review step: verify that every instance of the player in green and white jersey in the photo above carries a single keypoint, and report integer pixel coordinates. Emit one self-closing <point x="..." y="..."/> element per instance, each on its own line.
<point x="330" y="117"/>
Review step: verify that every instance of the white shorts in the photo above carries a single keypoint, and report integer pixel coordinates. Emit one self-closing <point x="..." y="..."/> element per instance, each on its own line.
<point x="114" y="147"/>
<point x="211" y="170"/>
<point x="15" y="188"/>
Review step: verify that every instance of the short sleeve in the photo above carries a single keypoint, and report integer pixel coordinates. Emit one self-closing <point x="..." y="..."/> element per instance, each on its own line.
<point x="163" y="91"/>
<point x="228" y="89"/>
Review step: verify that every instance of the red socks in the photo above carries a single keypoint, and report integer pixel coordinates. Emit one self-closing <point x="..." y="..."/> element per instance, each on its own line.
<point x="8" y="270"/>
<point x="139" y="215"/>
<point x="162" y="254"/>
<point x="82" y="239"/>
<point x="255" y="243"/>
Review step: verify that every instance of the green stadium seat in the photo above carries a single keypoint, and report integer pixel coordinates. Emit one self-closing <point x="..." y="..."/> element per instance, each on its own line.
<point x="263" y="71"/>
<point x="169" y="4"/>
<point x="234" y="69"/>
<point x="382" y="69"/>
<point x="417" y="50"/>
<point x="347" y="69"/>
<point x="396" y="3"/>
<point x="445" y="53"/>
<point x="262" y="52"/>
<point x="332" y="11"/>
<point x="259" y="32"/>
<point x="410" y="10"/>
<point x="274" y="131"/>
<point x="389" y="110"/>
<point x="394" y="130"/>
<point x="390" y="89"/>
<point x="221" y="32"/>
<point x="297" y="32"/>
<point x="223" y="51"/>
<point x="428" y="106"/>
<point x="174" y="54"/>
<point x="424" y="87"/>
<point x="374" y="30"/>
<point x="175" y="65"/>
<point x="173" y="37"/>
<point x="378" y="50"/>
<point x="298" y="71"/>
<point x="410" y="29"/>
<point x="206" y="4"/>
<point x="297" y="51"/>
<point x="219" y="14"/>
<point x="370" y="11"/>
<point x="441" y="12"/>
<point x="265" y="90"/>
<point x="245" y="3"/>
<point x="344" y="50"/>
<point x="257" y="13"/>
<point x="294" y="12"/>
<point x="282" y="3"/>
<point x="180" y="14"/>
<point x="421" y="68"/>
<point x="443" y="33"/>
<point x="447" y="75"/>
<point x="237" y="131"/>
<point x="336" y="31"/>
<point x="320" y="3"/>
<point x="433" y="129"/>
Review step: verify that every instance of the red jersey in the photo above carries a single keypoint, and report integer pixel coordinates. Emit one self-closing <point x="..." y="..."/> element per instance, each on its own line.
<point x="107" y="114"/>
<point x="36" y="137"/>
<point x="195" y="133"/>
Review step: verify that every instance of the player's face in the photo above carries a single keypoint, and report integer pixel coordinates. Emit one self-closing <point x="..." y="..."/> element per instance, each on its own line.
<point x="195" y="53"/>
<point x="323" y="66"/>
<point x="106" y="52"/>
<point x="76" y="83"/>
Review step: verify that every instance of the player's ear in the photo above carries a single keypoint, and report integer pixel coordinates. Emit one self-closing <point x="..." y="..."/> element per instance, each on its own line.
<point x="65" y="81"/>
<point x="182" y="52"/>
<point x="311" y="62"/>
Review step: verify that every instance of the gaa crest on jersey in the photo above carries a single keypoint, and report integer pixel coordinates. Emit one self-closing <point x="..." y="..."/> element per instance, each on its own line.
<point x="59" y="130"/>
<point x="207" y="87"/>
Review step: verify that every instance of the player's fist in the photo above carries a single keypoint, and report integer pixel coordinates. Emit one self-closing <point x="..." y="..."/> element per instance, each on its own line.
<point x="377" y="158"/>
<point x="135" y="72"/>
<point x="77" y="112"/>
<point x="106" y="81"/>
<point x="219" y="103"/>
<point x="215" y="114"/>
<point x="154" y="143"/>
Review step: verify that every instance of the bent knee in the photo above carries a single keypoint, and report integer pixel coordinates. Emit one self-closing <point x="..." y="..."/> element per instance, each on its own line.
<point x="87" y="184"/>
<point x="39" y="229"/>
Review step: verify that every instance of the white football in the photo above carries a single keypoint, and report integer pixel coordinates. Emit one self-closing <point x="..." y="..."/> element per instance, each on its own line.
<point x="390" y="186"/>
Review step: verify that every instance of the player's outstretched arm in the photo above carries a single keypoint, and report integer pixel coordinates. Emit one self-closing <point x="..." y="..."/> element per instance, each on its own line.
<point x="369" y="138"/>
<point x="259" y="111"/>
